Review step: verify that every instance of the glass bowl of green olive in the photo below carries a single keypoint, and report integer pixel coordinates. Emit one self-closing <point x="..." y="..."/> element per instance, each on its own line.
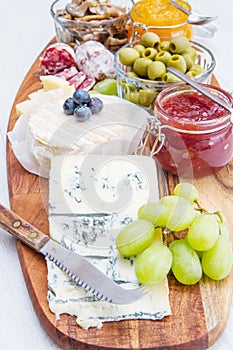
<point x="141" y="66"/>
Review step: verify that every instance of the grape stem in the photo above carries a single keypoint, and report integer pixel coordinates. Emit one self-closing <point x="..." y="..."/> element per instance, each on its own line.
<point x="204" y="211"/>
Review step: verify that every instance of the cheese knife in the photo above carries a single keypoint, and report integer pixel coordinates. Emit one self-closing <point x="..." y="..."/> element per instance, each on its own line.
<point x="80" y="270"/>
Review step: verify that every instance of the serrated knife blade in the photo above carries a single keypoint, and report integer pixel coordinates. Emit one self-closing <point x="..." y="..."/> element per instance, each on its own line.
<point x="80" y="270"/>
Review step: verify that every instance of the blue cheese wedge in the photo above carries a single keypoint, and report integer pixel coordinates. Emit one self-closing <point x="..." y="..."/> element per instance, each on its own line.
<point x="90" y="199"/>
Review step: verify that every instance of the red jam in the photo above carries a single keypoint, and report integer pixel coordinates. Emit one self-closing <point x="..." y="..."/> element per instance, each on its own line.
<point x="192" y="106"/>
<point x="198" y="132"/>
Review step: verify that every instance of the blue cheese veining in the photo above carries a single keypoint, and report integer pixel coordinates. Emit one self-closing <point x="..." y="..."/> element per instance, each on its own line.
<point x="91" y="198"/>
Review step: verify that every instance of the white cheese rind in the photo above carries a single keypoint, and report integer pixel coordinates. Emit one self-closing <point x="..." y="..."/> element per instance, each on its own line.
<point x="93" y="235"/>
<point x="49" y="132"/>
<point x="54" y="133"/>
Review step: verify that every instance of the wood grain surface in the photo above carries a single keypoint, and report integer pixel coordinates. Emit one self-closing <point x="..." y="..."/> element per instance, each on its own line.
<point x="199" y="312"/>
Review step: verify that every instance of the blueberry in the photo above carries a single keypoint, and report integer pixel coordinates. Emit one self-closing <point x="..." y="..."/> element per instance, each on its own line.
<point x="96" y="105"/>
<point x="69" y="106"/>
<point x="81" y="97"/>
<point x="82" y="113"/>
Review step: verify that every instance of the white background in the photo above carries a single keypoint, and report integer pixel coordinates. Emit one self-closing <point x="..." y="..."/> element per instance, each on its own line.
<point x="26" y="27"/>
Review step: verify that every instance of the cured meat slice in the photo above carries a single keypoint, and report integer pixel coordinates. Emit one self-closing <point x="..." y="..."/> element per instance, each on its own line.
<point x="56" y="58"/>
<point x="77" y="79"/>
<point x="95" y="60"/>
<point x="87" y="84"/>
<point x="67" y="73"/>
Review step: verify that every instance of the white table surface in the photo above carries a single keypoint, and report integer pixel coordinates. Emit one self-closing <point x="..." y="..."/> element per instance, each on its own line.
<point x="26" y="27"/>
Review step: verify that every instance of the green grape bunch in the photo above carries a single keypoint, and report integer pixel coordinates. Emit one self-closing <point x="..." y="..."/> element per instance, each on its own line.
<point x="204" y="249"/>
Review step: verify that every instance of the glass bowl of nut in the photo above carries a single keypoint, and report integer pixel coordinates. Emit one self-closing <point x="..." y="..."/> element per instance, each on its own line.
<point x="141" y="66"/>
<point x="78" y="21"/>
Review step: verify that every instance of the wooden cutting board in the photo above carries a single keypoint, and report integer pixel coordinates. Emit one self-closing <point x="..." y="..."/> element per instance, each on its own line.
<point x="199" y="312"/>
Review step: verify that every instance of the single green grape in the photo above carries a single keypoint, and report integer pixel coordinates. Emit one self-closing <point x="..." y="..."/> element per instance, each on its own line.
<point x="135" y="237"/>
<point x="156" y="70"/>
<point x="140" y="48"/>
<point x="107" y="87"/>
<point x="179" y="44"/>
<point x="203" y="233"/>
<point x="140" y="66"/>
<point x="147" y="96"/>
<point x="217" y="261"/>
<point x="154" y="212"/>
<point x="150" y="39"/>
<point x="178" y="62"/>
<point x="153" y="264"/>
<point x="163" y="56"/>
<point x="180" y="214"/>
<point x="223" y="230"/>
<point x="150" y="53"/>
<point x="128" y="55"/>
<point x="186" y="265"/>
<point x="187" y="191"/>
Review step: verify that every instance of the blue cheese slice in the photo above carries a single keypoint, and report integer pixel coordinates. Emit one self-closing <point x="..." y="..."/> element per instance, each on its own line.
<point x="90" y="199"/>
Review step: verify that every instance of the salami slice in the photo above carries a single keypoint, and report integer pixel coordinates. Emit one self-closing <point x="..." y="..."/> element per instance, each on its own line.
<point x="77" y="79"/>
<point x="95" y="60"/>
<point x="87" y="84"/>
<point x="56" y="58"/>
<point x="67" y="73"/>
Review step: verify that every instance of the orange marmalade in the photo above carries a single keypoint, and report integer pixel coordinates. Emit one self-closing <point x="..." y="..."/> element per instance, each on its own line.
<point x="161" y="17"/>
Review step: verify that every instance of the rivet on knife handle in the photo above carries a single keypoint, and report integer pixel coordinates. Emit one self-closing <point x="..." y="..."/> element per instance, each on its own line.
<point x="21" y="229"/>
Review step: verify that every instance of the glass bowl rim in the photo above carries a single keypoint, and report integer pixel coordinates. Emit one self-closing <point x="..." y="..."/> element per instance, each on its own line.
<point x="74" y="23"/>
<point x="140" y="82"/>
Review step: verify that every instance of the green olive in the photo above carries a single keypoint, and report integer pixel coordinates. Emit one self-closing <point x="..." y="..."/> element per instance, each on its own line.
<point x="147" y="96"/>
<point x="128" y="55"/>
<point x="134" y="97"/>
<point x="197" y="68"/>
<point x="179" y="44"/>
<point x="163" y="56"/>
<point x="178" y="62"/>
<point x="150" y="53"/>
<point x="156" y="70"/>
<point x="191" y="73"/>
<point x="132" y="74"/>
<point x="163" y="46"/>
<point x="170" y="78"/>
<point x="192" y="53"/>
<point x="188" y="60"/>
<point x="150" y="39"/>
<point x="140" y="66"/>
<point x="140" y="48"/>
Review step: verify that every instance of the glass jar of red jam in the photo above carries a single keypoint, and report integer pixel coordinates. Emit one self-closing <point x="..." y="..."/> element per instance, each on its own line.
<point x="161" y="17"/>
<point x="191" y="135"/>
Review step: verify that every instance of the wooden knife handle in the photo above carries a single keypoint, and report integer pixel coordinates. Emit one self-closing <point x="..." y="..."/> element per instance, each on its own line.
<point x="21" y="229"/>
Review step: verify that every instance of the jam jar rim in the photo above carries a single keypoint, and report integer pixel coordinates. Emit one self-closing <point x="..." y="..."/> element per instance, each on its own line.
<point x="213" y="124"/>
<point x="174" y="26"/>
<point x="160" y="25"/>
